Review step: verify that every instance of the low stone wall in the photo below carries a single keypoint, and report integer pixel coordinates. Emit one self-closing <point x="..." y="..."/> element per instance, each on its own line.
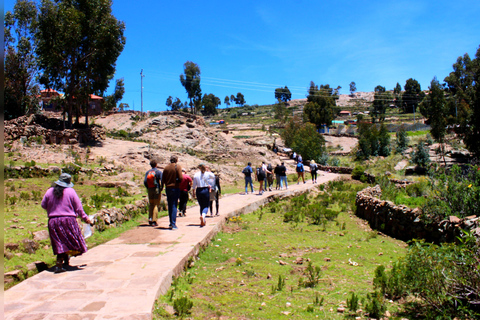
<point x="404" y="223"/>
<point x="49" y="130"/>
<point x="37" y="171"/>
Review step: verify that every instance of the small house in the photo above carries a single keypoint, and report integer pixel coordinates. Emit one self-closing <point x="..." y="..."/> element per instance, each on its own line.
<point x="345" y="113"/>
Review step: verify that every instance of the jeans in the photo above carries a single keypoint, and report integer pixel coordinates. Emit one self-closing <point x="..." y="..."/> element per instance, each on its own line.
<point x="172" y="201"/>
<point x="203" y="197"/>
<point x="248" y="180"/>
<point x="283" y="179"/>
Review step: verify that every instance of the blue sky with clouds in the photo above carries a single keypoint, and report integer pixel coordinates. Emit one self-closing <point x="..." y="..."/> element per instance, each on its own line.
<point x="253" y="47"/>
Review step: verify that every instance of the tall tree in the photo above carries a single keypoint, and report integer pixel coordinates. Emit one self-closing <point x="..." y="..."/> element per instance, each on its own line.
<point x="381" y="101"/>
<point x="21" y="68"/>
<point x="190" y="80"/>
<point x="434" y="108"/>
<point x="240" y="99"/>
<point x="320" y="107"/>
<point x="175" y="105"/>
<point x="472" y="129"/>
<point x="112" y="100"/>
<point x="283" y="94"/>
<point x="353" y="88"/>
<point x="397" y="95"/>
<point x="227" y="101"/>
<point x="78" y="44"/>
<point x="412" y="96"/>
<point x="210" y="104"/>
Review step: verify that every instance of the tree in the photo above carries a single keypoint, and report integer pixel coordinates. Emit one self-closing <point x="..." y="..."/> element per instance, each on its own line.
<point x="401" y="140"/>
<point x="190" y="80"/>
<point x="381" y="101"/>
<point x="308" y="142"/>
<point x="227" y="101"/>
<point x="78" y="44"/>
<point x="280" y="111"/>
<point x="372" y="142"/>
<point x="472" y="130"/>
<point x="112" y="100"/>
<point x="412" y="96"/>
<point x="210" y="104"/>
<point x="353" y="88"/>
<point x="123" y="106"/>
<point x="21" y="68"/>
<point x="283" y="94"/>
<point x="320" y="108"/>
<point x="175" y="105"/>
<point x="397" y="95"/>
<point x="290" y="130"/>
<point x="240" y="99"/>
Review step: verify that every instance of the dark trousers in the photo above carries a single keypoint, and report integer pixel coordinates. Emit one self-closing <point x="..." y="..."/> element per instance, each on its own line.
<point x="183" y="201"/>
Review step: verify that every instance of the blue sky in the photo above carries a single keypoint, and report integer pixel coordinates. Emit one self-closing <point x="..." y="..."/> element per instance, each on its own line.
<point x="253" y="47"/>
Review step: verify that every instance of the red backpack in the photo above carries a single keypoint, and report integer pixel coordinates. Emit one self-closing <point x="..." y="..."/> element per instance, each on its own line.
<point x="151" y="179"/>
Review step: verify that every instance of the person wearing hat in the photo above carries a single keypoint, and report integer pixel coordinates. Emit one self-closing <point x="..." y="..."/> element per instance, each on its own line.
<point x="171" y="178"/>
<point x="185" y="186"/>
<point x="63" y="207"/>
<point x="313" y="171"/>
<point x="201" y="190"/>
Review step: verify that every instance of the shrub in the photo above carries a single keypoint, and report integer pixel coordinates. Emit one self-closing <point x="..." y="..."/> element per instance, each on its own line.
<point x="182" y="306"/>
<point x="420" y="156"/>
<point x="312" y="276"/>
<point x="401" y="140"/>
<point x="456" y="192"/>
<point x="444" y="279"/>
<point x="352" y="303"/>
<point x="358" y="172"/>
<point x="375" y="305"/>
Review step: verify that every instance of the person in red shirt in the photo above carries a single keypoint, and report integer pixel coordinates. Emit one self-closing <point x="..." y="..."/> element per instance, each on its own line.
<point x="185" y="187"/>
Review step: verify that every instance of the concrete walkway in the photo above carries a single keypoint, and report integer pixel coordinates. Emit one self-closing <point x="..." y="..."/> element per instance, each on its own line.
<point x="122" y="278"/>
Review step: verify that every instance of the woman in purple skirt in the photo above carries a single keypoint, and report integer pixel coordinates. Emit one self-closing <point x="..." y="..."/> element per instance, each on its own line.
<point x="63" y="207"/>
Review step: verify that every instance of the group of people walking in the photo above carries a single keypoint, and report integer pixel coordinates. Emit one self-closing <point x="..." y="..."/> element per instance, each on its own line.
<point x="205" y="186"/>
<point x="63" y="205"/>
<point x="266" y="174"/>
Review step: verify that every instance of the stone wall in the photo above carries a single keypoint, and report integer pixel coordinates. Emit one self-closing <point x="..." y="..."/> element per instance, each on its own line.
<point x="49" y="130"/>
<point x="404" y="223"/>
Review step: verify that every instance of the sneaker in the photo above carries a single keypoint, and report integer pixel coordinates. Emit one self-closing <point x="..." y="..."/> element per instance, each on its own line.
<point x="154" y="224"/>
<point x="170" y="227"/>
<point x="174" y="228"/>
<point x="217" y="214"/>
<point x="202" y="222"/>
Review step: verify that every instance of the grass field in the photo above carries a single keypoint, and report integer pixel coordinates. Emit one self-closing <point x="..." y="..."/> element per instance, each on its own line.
<point x="252" y="269"/>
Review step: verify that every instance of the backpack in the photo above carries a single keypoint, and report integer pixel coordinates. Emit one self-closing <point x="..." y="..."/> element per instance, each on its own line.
<point x="269" y="167"/>
<point x="314" y="167"/>
<point x="299" y="167"/>
<point x="152" y="179"/>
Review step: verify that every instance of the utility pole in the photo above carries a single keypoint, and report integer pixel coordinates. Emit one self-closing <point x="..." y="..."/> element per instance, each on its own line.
<point x="141" y="91"/>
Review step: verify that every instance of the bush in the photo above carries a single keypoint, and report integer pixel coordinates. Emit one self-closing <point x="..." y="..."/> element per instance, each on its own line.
<point x="456" y="192"/>
<point x="182" y="306"/>
<point x="401" y="140"/>
<point x="420" y="157"/>
<point x="358" y="172"/>
<point x="444" y="279"/>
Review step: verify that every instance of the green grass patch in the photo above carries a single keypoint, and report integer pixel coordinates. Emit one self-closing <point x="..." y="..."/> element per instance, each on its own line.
<point x="252" y="269"/>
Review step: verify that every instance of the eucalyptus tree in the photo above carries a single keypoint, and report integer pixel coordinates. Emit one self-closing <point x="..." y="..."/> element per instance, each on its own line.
<point x="434" y="108"/>
<point x="320" y="107"/>
<point x="381" y="101"/>
<point x="210" y="104"/>
<point x="412" y="96"/>
<point x="78" y="44"/>
<point x="353" y="88"/>
<point x="190" y="80"/>
<point x="21" y="68"/>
